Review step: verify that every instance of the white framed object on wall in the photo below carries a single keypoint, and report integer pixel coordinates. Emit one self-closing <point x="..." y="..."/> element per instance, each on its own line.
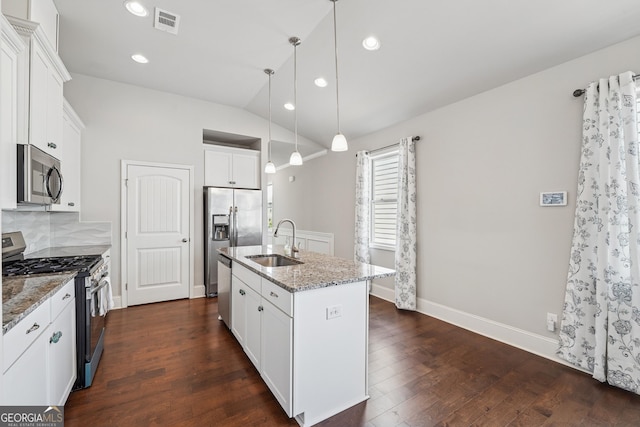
<point x="553" y="198"/>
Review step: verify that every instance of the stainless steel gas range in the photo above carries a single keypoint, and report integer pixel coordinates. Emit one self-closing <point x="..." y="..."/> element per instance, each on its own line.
<point x="92" y="272"/>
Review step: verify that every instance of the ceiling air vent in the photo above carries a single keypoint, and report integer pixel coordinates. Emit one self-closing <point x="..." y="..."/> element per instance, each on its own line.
<point x="166" y="21"/>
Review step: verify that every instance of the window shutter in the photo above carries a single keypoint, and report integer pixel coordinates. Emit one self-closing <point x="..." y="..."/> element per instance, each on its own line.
<point x="385" y="199"/>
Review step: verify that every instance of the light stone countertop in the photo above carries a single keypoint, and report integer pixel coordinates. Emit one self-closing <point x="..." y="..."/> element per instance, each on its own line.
<point x="23" y="294"/>
<point x="317" y="271"/>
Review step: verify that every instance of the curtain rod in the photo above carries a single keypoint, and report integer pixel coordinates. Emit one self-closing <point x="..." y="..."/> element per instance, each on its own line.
<point x="415" y="138"/>
<point x="579" y="92"/>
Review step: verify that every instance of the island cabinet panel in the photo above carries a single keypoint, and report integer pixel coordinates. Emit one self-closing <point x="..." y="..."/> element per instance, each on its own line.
<point x="253" y="326"/>
<point x="310" y="346"/>
<point x="276" y="354"/>
<point x="330" y="350"/>
<point x="238" y="309"/>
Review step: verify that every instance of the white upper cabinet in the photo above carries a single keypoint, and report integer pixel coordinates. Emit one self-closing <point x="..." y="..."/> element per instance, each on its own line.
<point x="40" y="78"/>
<point x="43" y="12"/>
<point x="231" y="167"/>
<point x="10" y="48"/>
<point x="70" y="160"/>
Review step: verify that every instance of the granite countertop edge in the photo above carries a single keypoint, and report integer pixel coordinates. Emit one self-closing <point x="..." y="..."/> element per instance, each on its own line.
<point x="52" y="283"/>
<point x="42" y="291"/>
<point x="321" y="276"/>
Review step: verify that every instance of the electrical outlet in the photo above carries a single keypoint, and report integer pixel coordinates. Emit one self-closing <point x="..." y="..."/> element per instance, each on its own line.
<point x="334" y="311"/>
<point x="552" y="321"/>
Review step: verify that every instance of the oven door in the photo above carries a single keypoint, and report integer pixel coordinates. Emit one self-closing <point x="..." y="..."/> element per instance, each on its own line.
<point x="39" y="177"/>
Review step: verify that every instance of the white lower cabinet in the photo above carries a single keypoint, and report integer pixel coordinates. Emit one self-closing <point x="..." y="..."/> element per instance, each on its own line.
<point x="310" y="347"/>
<point x="25" y="382"/>
<point x="276" y="351"/>
<point x="62" y="355"/>
<point x="40" y="353"/>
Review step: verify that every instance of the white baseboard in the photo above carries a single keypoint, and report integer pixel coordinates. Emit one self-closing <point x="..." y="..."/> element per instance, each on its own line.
<point x="524" y="340"/>
<point x="198" y="292"/>
<point x="117" y="302"/>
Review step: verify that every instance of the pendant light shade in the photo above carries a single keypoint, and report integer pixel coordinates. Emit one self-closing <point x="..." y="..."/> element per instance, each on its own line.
<point x="339" y="142"/>
<point x="269" y="167"/>
<point x="296" y="158"/>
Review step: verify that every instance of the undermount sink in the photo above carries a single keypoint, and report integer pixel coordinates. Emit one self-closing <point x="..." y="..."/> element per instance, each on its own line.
<point x="273" y="260"/>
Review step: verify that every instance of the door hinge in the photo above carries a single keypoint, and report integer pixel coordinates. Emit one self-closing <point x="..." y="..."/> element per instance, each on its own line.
<point x="125" y="235"/>
<point x="126" y="182"/>
<point x="126" y="286"/>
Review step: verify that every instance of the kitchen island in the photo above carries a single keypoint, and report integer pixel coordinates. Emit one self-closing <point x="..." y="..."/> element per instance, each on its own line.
<point x="304" y="327"/>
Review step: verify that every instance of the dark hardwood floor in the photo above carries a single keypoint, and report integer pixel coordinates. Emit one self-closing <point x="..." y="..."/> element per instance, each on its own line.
<point x="175" y="364"/>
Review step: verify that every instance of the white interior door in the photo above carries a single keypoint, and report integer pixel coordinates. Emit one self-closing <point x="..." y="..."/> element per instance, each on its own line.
<point x="158" y="248"/>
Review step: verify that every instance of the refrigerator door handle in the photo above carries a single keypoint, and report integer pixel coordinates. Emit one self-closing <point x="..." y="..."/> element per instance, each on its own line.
<point x="235" y="226"/>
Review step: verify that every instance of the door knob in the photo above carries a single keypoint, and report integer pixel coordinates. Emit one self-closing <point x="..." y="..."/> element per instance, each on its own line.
<point x="185" y="240"/>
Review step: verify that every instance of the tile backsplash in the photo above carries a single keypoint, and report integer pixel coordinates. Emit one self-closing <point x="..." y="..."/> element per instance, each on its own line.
<point x="42" y="230"/>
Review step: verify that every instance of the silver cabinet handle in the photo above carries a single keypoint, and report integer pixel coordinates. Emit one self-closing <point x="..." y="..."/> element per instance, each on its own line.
<point x="185" y="240"/>
<point x="242" y="292"/>
<point x="66" y="296"/>
<point x="52" y="145"/>
<point x="55" y="337"/>
<point x="35" y="327"/>
<point x="232" y="182"/>
<point x="71" y="204"/>
<point x="273" y="294"/>
<point x="260" y="308"/>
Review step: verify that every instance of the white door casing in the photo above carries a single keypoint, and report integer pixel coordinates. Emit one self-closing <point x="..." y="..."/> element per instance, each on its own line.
<point x="157" y="228"/>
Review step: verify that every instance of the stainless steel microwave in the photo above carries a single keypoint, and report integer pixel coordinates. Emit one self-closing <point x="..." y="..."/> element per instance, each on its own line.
<point x="39" y="177"/>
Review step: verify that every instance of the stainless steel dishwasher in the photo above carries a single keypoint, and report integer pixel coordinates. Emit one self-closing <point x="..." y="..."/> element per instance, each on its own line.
<point x="224" y="289"/>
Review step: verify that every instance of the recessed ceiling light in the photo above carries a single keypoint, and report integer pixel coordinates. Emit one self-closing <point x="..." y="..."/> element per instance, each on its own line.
<point x="371" y="43"/>
<point x="141" y="59"/>
<point x="289" y="106"/>
<point x="320" y="82"/>
<point x="136" y="8"/>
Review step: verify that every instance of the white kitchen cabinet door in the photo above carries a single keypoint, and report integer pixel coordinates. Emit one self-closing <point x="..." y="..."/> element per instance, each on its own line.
<point x="245" y="168"/>
<point x="62" y="354"/>
<point x="54" y="113"/>
<point x="38" y="106"/>
<point x="217" y="168"/>
<point x="70" y="159"/>
<point x="238" y="309"/>
<point x="26" y="382"/>
<point x="10" y="47"/>
<point x="277" y="354"/>
<point x="231" y="167"/>
<point x="252" y="340"/>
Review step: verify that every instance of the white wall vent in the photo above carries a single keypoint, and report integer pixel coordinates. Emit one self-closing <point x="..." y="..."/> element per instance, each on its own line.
<point x="166" y="21"/>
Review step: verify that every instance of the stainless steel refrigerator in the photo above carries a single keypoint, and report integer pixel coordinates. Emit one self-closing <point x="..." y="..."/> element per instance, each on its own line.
<point x="232" y="217"/>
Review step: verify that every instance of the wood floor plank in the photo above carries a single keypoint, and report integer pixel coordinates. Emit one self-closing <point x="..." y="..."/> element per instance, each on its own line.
<point x="175" y="364"/>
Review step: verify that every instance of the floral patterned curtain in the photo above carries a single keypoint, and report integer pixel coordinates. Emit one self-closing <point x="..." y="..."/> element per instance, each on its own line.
<point x="363" y="206"/>
<point x="600" y="329"/>
<point x="406" y="245"/>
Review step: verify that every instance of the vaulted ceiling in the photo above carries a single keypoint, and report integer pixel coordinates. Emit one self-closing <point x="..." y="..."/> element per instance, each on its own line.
<point x="432" y="53"/>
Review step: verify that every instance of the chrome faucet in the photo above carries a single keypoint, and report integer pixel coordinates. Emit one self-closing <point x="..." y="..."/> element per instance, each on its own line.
<point x="294" y="249"/>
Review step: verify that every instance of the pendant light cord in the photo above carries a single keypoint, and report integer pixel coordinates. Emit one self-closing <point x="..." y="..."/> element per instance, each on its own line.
<point x="295" y="91"/>
<point x="335" y="50"/>
<point x="270" y="72"/>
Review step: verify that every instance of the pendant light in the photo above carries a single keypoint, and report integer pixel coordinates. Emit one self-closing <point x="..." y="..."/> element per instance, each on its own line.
<point x="339" y="142"/>
<point x="269" y="167"/>
<point x="296" y="158"/>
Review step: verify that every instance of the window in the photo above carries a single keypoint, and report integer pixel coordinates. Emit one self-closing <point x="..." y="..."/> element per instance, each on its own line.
<point x="384" y="195"/>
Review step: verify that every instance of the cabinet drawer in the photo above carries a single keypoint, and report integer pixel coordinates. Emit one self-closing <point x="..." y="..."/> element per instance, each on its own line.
<point x="250" y="278"/>
<point x="278" y="296"/>
<point x="20" y="337"/>
<point x="61" y="298"/>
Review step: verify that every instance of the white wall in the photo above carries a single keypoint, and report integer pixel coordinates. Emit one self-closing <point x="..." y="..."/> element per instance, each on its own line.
<point x="125" y="122"/>
<point x="487" y="252"/>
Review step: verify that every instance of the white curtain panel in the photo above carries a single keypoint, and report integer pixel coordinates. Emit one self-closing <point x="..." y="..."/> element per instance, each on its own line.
<point x="406" y="237"/>
<point x="363" y="207"/>
<point x="600" y="329"/>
